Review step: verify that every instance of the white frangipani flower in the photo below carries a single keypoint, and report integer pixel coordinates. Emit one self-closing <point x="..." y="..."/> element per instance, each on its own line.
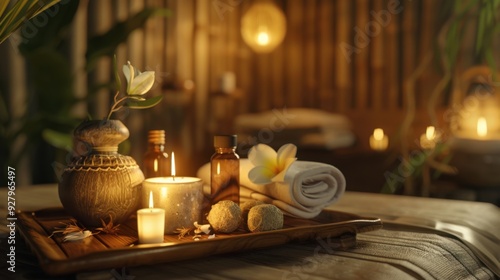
<point x="270" y="166"/>
<point x="138" y="83"/>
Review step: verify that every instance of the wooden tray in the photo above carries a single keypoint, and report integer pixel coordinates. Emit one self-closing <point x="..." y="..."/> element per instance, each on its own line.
<point x="106" y="251"/>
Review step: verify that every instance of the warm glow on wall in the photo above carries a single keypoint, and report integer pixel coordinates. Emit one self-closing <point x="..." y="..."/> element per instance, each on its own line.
<point x="263" y="26"/>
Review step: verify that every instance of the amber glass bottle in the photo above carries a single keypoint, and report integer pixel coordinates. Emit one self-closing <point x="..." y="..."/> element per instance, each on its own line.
<point x="225" y="170"/>
<point x="156" y="161"/>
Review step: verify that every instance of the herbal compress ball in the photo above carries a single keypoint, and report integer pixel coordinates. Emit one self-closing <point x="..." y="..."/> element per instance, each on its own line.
<point x="264" y="217"/>
<point x="224" y="216"/>
<point x="245" y="208"/>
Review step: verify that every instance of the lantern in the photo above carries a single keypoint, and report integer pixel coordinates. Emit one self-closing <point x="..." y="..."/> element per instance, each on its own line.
<point x="263" y="26"/>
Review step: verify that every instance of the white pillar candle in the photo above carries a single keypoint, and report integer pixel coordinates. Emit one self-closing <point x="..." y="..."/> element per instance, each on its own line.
<point x="150" y="223"/>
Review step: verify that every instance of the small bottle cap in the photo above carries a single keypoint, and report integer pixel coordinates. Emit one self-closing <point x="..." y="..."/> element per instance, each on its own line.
<point x="156" y="136"/>
<point x="225" y="141"/>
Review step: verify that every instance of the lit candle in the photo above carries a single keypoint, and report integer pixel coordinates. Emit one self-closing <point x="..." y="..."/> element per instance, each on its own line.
<point x="150" y="223"/>
<point x="379" y="141"/>
<point x="429" y="139"/>
<point x="180" y="197"/>
<point x="482" y="127"/>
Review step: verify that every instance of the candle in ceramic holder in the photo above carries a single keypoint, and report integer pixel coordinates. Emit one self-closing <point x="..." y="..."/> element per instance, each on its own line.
<point x="180" y="197"/>
<point x="476" y="155"/>
<point x="150" y="223"/>
<point x="379" y="141"/>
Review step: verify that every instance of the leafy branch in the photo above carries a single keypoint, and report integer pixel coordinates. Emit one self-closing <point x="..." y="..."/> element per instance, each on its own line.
<point x="19" y="13"/>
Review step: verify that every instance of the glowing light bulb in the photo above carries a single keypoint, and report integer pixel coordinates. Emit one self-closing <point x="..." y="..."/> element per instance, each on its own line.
<point x="262" y="38"/>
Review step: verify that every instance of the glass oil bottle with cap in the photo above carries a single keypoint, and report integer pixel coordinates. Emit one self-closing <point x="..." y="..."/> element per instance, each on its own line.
<point x="225" y="170"/>
<point x="156" y="161"/>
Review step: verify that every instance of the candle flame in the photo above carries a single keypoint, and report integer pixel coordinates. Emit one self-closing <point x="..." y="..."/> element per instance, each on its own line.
<point x="482" y="127"/>
<point x="151" y="203"/>
<point x="430" y="132"/>
<point x="378" y="134"/>
<point x="172" y="167"/>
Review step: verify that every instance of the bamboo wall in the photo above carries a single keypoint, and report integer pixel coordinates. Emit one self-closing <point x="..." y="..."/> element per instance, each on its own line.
<point x="311" y="68"/>
<point x="201" y="40"/>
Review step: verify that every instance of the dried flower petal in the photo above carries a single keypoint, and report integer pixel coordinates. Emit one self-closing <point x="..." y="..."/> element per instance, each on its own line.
<point x="206" y="228"/>
<point x="69" y="227"/>
<point x="75" y="236"/>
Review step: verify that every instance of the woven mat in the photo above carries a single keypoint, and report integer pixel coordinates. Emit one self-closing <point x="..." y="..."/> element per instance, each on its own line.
<point x="424" y="255"/>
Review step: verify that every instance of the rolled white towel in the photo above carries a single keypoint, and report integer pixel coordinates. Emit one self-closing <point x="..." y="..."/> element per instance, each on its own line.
<point x="308" y="187"/>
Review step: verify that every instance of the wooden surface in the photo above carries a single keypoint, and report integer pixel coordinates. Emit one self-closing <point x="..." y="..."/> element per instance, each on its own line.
<point x="106" y="251"/>
<point x="422" y="238"/>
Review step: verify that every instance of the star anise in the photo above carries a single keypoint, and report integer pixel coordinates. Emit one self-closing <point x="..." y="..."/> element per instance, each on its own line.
<point x="109" y="228"/>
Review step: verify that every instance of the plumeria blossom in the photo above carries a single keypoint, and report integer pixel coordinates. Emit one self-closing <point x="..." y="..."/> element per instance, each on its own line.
<point x="270" y="166"/>
<point x="138" y="83"/>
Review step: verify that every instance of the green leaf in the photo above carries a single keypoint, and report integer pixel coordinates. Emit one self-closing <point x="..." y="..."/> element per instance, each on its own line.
<point x="125" y="147"/>
<point x="53" y="81"/>
<point x="21" y="11"/>
<point x="4" y="113"/>
<point x="148" y="103"/>
<point x="117" y="75"/>
<point x="138" y="98"/>
<point x="490" y="60"/>
<point x="106" y="44"/>
<point x="3" y="6"/>
<point x="53" y="32"/>
<point x="58" y="139"/>
<point x="481" y="30"/>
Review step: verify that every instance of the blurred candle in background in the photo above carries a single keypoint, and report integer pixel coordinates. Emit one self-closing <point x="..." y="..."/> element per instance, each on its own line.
<point x="379" y="141"/>
<point x="227" y="82"/>
<point x="429" y="139"/>
<point x="482" y="127"/>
